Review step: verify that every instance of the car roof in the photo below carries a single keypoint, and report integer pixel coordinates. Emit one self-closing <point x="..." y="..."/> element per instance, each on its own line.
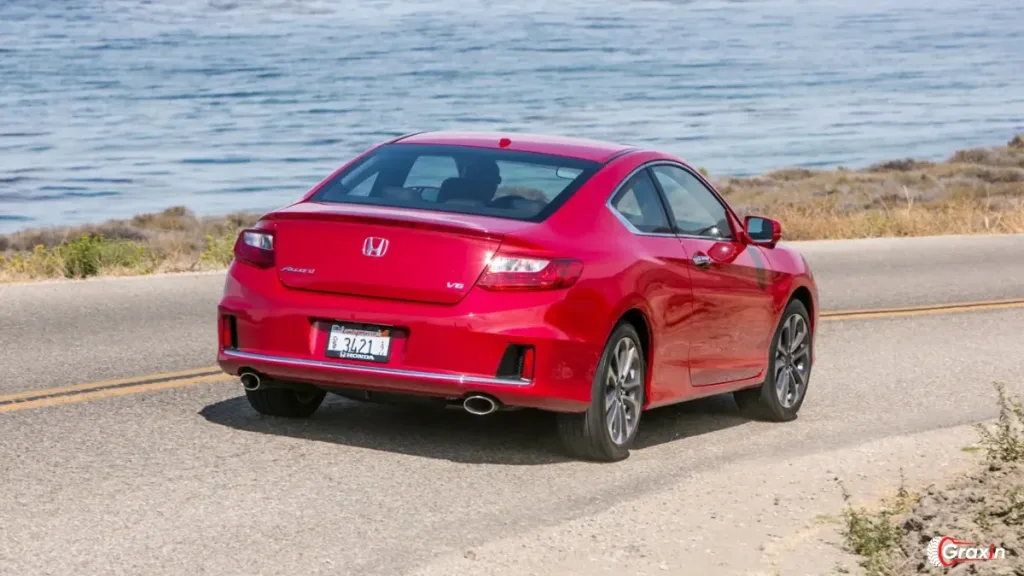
<point x="581" y="148"/>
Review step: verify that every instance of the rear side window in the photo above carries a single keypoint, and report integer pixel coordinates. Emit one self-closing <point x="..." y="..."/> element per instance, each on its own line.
<point x="638" y="203"/>
<point x="460" y="179"/>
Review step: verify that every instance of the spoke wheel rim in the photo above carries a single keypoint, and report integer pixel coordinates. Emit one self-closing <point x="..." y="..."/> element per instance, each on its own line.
<point x="623" y="391"/>
<point x="792" y="361"/>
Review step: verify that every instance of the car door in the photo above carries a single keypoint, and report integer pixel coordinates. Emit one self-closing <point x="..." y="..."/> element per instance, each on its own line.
<point x="666" y="287"/>
<point x="732" y="304"/>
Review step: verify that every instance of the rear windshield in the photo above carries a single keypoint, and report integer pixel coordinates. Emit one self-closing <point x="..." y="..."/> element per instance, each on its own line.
<point x="460" y="179"/>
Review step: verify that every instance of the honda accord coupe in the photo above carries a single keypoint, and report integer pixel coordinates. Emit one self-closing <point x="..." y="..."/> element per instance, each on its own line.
<point x="498" y="271"/>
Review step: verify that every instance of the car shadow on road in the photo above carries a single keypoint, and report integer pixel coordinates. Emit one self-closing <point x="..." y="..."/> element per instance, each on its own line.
<point x="521" y="438"/>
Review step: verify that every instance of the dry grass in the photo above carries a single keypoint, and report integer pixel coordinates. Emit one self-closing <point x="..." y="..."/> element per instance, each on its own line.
<point x="174" y="240"/>
<point x="979" y="191"/>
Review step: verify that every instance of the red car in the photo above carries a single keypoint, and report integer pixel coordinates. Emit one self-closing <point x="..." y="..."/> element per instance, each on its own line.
<point x="496" y="271"/>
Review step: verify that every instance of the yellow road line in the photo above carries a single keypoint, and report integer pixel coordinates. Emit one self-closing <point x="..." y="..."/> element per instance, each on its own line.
<point x="109" y="393"/>
<point x="950" y="308"/>
<point x="106" y="384"/>
<point x="126" y="386"/>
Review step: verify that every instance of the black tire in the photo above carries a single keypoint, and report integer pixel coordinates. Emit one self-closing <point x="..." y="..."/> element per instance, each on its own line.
<point x="586" y="435"/>
<point x="285" y="402"/>
<point x="763" y="402"/>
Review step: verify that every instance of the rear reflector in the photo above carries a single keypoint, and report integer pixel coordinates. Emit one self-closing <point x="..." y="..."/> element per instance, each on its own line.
<point x="255" y="247"/>
<point x="228" y="338"/>
<point x="527" y="370"/>
<point x="506" y="273"/>
<point x="517" y="362"/>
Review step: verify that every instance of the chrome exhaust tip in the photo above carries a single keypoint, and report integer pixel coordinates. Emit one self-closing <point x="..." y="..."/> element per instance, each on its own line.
<point x="479" y="405"/>
<point x="250" y="381"/>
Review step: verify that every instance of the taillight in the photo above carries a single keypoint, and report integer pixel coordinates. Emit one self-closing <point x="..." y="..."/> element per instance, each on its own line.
<point x="255" y="247"/>
<point x="520" y="273"/>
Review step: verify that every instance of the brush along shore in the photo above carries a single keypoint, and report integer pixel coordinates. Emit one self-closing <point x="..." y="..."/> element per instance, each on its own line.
<point x="976" y="191"/>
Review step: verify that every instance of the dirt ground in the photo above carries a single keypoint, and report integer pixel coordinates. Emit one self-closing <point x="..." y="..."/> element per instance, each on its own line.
<point x="986" y="507"/>
<point x="982" y="510"/>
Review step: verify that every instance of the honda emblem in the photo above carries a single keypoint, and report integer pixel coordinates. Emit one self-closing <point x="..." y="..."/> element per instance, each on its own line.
<point x="375" y="247"/>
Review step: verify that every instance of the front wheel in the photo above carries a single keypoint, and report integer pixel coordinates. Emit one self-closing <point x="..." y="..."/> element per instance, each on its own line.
<point x="779" y="398"/>
<point x="606" y="431"/>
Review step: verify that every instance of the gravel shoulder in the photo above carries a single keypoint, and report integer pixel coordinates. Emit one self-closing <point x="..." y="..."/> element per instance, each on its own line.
<point x="762" y="517"/>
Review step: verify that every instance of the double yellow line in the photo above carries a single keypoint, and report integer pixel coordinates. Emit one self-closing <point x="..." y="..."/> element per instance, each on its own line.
<point x="931" y="309"/>
<point x="112" y="388"/>
<point x="108" y="389"/>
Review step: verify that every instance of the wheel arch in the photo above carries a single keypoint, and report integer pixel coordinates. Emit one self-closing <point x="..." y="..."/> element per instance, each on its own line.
<point x="638" y="317"/>
<point x="803" y="294"/>
<point x="806" y="295"/>
<point x="638" y="320"/>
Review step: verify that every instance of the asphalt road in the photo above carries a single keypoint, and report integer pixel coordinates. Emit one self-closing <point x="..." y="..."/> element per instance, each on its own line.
<point x="191" y="481"/>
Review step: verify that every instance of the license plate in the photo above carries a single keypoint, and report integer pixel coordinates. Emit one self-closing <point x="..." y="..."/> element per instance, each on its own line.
<point x="350" y="342"/>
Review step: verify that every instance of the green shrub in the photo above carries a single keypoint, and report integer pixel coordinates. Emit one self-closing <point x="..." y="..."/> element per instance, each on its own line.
<point x="92" y="254"/>
<point x="82" y="257"/>
<point x="875" y="535"/>
<point x="219" y="250"/>
<point x="1006" y="442"/>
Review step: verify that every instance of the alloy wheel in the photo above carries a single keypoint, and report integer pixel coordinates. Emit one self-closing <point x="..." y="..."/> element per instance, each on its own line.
<point x="623" y="391"/>
<point x="792" y="361"/>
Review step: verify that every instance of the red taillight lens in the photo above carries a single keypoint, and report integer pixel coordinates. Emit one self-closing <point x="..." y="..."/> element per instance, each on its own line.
<point x="520" y="273"/>
<point x="255" y="247"/>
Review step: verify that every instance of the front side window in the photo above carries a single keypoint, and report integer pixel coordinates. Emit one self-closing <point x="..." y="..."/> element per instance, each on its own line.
<point x="696" y="210"/>
<point x="460" y="179"/>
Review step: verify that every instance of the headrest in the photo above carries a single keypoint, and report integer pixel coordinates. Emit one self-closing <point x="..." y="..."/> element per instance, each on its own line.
<point x="458" y="189"/>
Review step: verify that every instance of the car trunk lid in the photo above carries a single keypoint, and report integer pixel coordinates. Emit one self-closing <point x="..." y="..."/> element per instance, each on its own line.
<point x="384" y="252"/>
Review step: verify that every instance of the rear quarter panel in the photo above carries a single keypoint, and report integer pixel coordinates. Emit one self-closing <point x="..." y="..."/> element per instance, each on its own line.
<point x="614" y="269"/>
<point x="622" y="274"/>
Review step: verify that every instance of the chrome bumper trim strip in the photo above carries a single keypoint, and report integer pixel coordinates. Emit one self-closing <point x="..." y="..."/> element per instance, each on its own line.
<point x="374" y="371"/>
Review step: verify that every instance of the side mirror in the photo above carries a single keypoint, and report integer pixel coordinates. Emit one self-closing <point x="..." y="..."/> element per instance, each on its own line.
<point x="762" y="231"/>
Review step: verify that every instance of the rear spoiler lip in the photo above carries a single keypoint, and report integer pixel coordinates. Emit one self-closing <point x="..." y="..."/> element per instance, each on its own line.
<point x="381" y="216"/>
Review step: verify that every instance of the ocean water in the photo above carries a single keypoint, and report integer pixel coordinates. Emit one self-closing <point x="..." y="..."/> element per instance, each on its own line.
<point x="109" y="108"/>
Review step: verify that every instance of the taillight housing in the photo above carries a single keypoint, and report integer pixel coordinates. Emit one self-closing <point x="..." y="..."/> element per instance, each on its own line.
<point x="522" y="273"/>
<point x="255" y="247"/>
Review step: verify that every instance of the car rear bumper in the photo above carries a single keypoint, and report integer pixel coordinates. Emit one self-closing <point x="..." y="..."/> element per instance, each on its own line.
<point x="330" y="374"/>
<point x="440" y="350"/>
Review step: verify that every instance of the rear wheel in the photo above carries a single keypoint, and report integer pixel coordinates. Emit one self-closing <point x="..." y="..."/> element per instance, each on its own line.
<point x="779" y="398"/>
<point x="285" y="402"/>
<point x="606" y="431"/>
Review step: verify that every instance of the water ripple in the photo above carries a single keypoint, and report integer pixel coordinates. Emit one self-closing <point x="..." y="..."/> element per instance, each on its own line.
<point x="114" y="107"/>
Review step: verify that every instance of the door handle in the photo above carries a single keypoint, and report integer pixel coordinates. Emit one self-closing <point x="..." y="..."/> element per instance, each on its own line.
<point x="701" y="260"/>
